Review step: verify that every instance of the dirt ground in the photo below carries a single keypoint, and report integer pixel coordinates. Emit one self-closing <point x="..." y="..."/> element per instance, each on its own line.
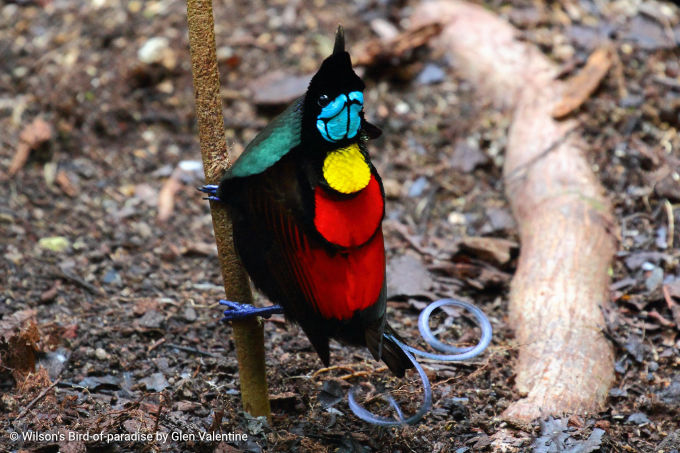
<point x="109" y="320"/>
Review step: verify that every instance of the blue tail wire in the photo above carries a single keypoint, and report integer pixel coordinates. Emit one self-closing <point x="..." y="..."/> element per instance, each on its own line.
<point x="453" y="354"/>
<point x="457" y="355"/>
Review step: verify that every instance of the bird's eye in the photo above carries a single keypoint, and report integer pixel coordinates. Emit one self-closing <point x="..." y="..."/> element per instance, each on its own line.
<point x="323" y="101"/>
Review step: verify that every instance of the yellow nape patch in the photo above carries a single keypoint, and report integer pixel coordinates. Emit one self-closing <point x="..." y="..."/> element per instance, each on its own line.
<point x="346" y="170"/>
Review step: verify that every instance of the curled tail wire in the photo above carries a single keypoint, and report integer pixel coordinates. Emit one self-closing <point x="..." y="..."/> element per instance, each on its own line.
<point x="455" y="354"/>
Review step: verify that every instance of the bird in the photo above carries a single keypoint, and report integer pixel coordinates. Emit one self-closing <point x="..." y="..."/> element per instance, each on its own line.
<point x="307" y="206"/>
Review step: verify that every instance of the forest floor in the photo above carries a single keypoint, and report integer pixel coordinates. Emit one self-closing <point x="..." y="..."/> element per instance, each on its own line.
<point x="109" y="321"/>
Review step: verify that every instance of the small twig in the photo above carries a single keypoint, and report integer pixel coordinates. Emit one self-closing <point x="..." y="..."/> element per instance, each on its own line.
<point x="445" y="381"/>
<point x="671" y="224"/>
<point x="217" y="421"/>
<point x="332" y="368"/>
<point x="377" y="50"/>
<point x="579" y="88"/>
<point x="72" y="385"/>
<point x="403" y="231"/>
<point x="189" y="349"/>
<point x="36" y="399"/>
<point x="667" y="81"/>
<point x="347" y="377"/>
<point x="660" y="319"/>
<point x="155" y="344"/>
<point x="158" y="413"/>
<point x="667" y="297"/>
<point x="78" y="281"/>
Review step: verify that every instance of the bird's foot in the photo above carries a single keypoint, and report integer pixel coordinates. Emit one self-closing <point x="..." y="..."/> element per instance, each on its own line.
<point x="241" y="311"/>
<point x="211" y="190"/>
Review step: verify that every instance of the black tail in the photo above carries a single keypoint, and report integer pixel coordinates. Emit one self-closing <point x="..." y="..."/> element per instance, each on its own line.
<point x="388" y="351"/>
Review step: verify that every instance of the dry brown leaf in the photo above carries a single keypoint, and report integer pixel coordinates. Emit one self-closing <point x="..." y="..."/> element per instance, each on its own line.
<point x="377" y="49"/>
<point x="496" y="250"/>
<point x="9" y="325"/>
<point x="579" y="87"/>
<point x="34" y="134"/>
<point x="51" y="293"/>
<point x="19" y="159"/>
<point x="65" y="184"/>
<point x="278" y="87"/>
<point x="407" y="276"/>
<point x="199" y="248"/>
<point x="143" y="305"/>
<point x="33" y="383"/>
<point x="19" y="336"/>
<point x="166" y="198"/>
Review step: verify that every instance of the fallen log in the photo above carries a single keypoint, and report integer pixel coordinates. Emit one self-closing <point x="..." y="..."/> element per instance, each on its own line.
<point x="567" y="233"/>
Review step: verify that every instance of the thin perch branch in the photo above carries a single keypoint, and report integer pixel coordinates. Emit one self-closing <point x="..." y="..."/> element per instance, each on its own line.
<point x="248" y="333"/>
<point x="566" y="227"/>
<point x="40" y="396"/>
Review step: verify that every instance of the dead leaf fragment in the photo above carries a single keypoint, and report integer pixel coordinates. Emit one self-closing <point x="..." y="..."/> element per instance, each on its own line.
<point x="379" y="49"/>
<point x="668" y="187"/>
<point x="10" y="324"/>
<point x="466" y="157"/>
<point x="579" y="87"/>
<point x="51" y="293"/>
<point x="495" y="250"/>
<point x="19" y="336"/>
<point x="197" y="248"/>
<point x="186" y="172"/>
<point x="166" y="198"/>
<point x="143" y="305"/>
<point x="72" y="447"/>
<point x="65" y="184"/>
<point x="407" y="276"/>
<point x="555" y="433"/>
<point x="278" y="87"/>
<point x="284" y="402"/>
<point x="33" y="135"/>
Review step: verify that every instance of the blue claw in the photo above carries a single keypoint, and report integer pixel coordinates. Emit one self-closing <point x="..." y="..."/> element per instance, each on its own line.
<point x="211" y="190"/>
<point x="241" y="311"/>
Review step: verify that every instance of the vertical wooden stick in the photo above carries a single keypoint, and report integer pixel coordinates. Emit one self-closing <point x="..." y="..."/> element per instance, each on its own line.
<point x="248" y="333"/>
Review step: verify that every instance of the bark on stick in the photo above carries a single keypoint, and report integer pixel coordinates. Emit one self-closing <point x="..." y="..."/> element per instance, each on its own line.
<point x="567" y="233"/>
<point x="248" y="333"/>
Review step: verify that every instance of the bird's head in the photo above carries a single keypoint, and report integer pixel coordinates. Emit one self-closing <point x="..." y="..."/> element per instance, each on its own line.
<point x="333" y="106"/>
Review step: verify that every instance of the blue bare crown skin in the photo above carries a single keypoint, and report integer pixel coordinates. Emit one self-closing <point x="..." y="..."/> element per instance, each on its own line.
<point x="340" y="119"/>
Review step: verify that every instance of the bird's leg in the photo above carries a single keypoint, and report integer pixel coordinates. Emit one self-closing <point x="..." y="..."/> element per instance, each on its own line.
<point x="211" y="190"/>
<point x="240" y="311"/>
